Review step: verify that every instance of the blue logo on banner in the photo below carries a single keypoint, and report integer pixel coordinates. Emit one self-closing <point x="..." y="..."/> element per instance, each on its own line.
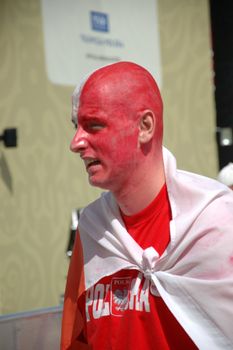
<point x="99" y="21"/>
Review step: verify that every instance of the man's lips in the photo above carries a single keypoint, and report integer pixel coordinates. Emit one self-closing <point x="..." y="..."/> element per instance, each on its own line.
<point x="90" y="162"/>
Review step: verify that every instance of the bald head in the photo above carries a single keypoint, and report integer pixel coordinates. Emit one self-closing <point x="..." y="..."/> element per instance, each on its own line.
<point x="126" y="87"/>
<point x="117" y="112"/>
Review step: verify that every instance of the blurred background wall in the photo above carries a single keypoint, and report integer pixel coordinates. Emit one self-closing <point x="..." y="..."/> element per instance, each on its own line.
<point x="41" y="181"/>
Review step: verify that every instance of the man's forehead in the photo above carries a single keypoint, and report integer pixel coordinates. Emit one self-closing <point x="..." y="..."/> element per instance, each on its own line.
<point x="86" y="111"/>
<point x="99" y="95"/>
<point x="88" y="105"/>
<point x="122" y="86"/>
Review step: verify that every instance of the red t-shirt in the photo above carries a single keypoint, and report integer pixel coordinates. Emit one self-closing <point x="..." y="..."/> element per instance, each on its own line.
<point x="123" y="311"/>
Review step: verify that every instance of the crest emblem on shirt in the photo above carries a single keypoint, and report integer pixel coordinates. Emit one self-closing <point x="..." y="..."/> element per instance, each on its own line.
<point x="120" y="293"/>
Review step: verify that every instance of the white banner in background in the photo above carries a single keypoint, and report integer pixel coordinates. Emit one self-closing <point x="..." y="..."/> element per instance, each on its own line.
<point x="83" y="35"/>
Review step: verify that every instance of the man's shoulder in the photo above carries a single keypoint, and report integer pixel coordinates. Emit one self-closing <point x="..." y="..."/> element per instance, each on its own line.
<point x="219" y="198"/>
<point x="203" y="184"/>
<point x="189" y="183"/>
<point x="192" y="196"/>
<point x="200" y="180"/>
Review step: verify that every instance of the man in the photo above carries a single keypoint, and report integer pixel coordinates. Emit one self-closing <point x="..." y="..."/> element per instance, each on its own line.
<point x="152" y="266"/>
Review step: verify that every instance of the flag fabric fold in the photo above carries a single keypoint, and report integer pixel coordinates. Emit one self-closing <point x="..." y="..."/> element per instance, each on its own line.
<point x="194" y="276"/>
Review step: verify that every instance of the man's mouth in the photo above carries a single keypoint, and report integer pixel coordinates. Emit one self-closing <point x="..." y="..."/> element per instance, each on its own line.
<point x="89" y="162"/>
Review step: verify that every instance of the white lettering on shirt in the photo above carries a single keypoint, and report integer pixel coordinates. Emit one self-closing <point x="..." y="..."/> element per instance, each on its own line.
<point x="123" y="293"/>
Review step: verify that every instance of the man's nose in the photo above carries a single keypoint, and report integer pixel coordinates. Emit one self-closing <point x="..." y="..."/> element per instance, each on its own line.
<point x="79" y="141"/>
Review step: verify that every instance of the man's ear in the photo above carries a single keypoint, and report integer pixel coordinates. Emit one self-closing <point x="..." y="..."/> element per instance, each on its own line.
<point x="146" y="126"/>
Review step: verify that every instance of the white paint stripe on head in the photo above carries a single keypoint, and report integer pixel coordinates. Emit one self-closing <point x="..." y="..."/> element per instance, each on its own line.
<point x="77" y="93"/>
<point x="76" y="96"/>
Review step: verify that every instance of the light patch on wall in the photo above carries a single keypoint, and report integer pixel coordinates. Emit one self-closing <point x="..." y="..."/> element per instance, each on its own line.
<point x="80" y="36"/>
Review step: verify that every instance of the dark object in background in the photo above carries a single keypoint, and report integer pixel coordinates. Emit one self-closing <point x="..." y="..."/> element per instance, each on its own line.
<point x="221" y="14"/>
<point x="9" y="137"/>
<point x="73" y="227"/>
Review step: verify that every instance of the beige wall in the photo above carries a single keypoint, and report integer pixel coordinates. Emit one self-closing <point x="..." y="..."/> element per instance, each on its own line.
<point x="189" y="109"/>
<point x="41" y="181"/>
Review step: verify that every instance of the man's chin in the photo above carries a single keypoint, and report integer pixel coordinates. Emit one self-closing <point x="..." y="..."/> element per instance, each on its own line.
<point x="97" y="183"/>
<point x="101" y="183"/>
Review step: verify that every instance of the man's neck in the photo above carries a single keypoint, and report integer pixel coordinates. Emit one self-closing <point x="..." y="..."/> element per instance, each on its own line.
<point x="140" y="192"/>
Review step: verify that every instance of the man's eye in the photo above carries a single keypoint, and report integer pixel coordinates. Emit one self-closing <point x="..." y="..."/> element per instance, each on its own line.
<point x="95" y="126"/>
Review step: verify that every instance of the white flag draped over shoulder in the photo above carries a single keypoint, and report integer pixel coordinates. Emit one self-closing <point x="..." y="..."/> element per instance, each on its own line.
<point x="194" y="276"/>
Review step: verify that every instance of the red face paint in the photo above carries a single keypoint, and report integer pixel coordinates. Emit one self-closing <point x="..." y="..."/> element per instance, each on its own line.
<point x="106" y="141"/>
<point x="107" y="133"/>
